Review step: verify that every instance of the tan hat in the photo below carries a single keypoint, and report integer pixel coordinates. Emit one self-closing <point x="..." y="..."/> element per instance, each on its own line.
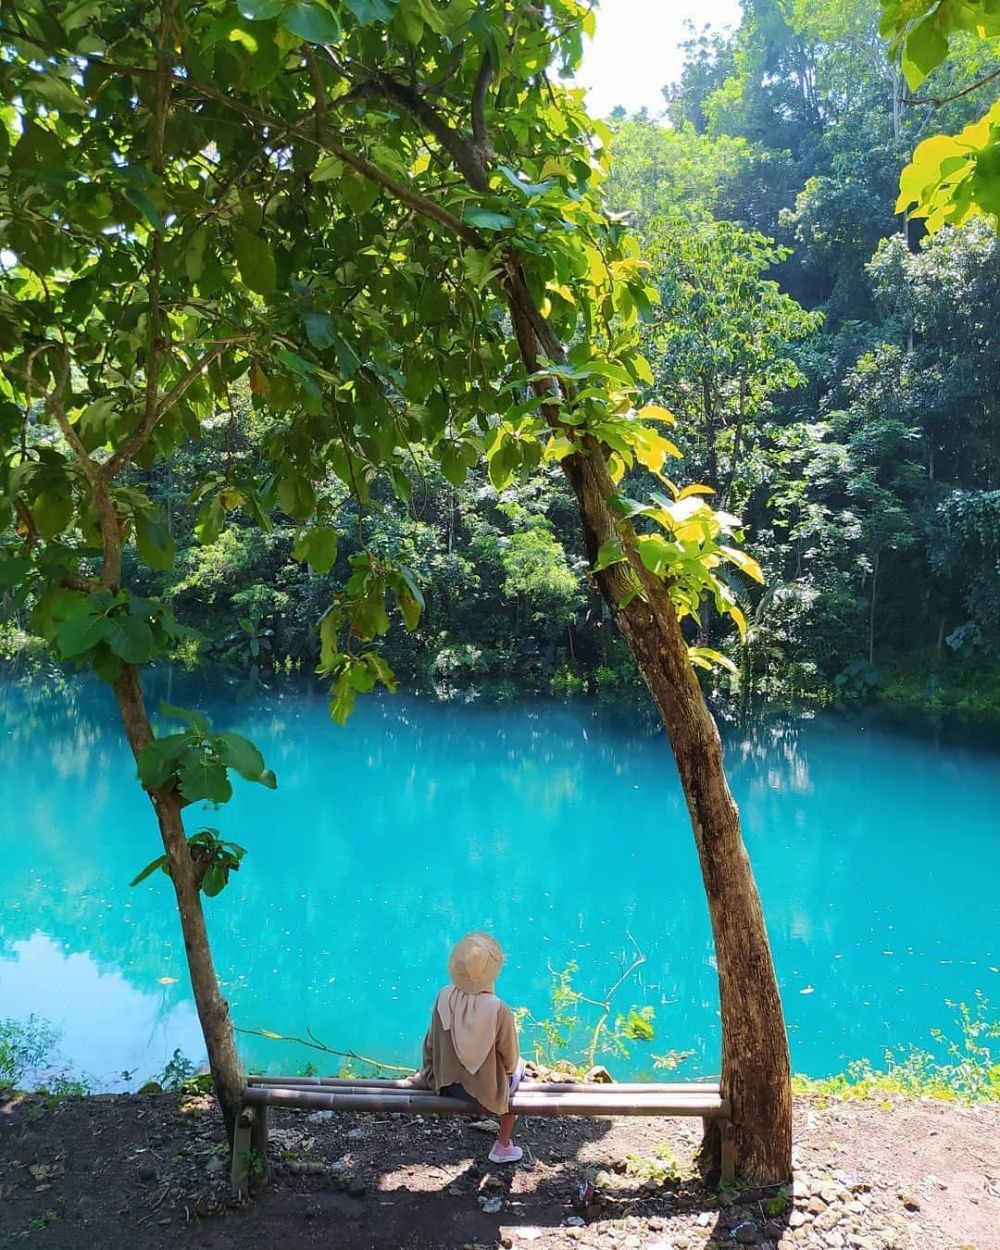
<point x="475" y="963"/>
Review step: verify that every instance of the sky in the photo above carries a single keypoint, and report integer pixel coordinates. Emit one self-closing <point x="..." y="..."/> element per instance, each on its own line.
<point x="636" y="50"/>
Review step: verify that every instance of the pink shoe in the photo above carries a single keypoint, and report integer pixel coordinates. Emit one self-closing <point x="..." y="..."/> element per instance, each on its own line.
<point x="505" y="1154"/>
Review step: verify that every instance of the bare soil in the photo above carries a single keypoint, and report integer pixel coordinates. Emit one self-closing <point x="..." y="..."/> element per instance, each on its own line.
<point x="103" y="1173"/>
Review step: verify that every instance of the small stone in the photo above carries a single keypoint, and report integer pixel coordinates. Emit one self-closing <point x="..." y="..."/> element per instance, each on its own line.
<point x="603" y="1179"/>
<point x="485" y="1126"/>
<point x="147" y="1172"/>
<point x="746" y="1235"/>
<point x="827" y="1220"/>
<point x="797" y="1219"/>
<point x="491" y="1205"/>
<point x="355" y="1134"/>
<point x="576" y="1221"/>
<point x="320" y="1117"/>
<point x="705" y="1218"/>
<point x="816" y="1205"/>
<point x="830" y="1194"/>
<point x="909" y="1201"/>
<point x="599" y="1075"/>
<point x="165" y="1221"/>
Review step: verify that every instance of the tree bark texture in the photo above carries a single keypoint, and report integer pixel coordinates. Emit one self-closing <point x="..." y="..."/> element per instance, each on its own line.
<point x="213" y="1010"/>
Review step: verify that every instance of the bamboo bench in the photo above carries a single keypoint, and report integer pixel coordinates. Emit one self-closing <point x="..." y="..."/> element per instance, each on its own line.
<point x="533" y="1098"/>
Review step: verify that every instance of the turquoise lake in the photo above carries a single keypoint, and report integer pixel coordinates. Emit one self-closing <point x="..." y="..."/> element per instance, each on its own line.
<point x="558" y="827"/>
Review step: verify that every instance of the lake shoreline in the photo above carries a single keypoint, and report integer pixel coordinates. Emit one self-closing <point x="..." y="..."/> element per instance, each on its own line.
<point x="136" y="1171"/>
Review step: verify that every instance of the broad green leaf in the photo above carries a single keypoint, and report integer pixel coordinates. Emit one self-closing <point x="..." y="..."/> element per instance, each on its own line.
<point x="487" y="219"/>
<point x="214" y="880"/>
<point x="260" y="10"/>
<point x="611" y="552"/>
<point x="154" y="541"/>
<point x="140" y="200"/>
<point x="202" y="777"/>
<point x="190" y="717"/>
<point x="317" y="547"/>
<point x="159" y="759"/>
<point x="12" y="571"/>
<point x="161" y="862"/>
<point x="255" y="261"/>
<point x="359" y="192"/>
<point x="239" y="753"/>
<point x="313" y="22"/>
<point x="368" y="11"/>
<point x="130" y="638"/>
<point x="80" y="634"/>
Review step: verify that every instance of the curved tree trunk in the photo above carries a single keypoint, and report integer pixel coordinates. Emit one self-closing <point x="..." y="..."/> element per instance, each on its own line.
<point x="213" y="1010"/>
<point x="755" y="1062"/>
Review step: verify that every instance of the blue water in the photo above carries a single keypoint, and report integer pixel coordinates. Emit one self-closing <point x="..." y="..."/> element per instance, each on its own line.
<point x="560" y="828"/>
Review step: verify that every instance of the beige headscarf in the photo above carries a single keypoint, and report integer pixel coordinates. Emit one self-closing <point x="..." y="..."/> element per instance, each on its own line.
<point x="468" y="1007"/>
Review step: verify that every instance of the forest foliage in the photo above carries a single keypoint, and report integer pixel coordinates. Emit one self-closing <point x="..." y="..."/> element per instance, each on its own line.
<point x="834" y="375"/>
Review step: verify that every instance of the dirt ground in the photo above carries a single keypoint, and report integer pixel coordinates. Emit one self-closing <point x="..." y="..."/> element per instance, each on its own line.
<point x="117" y="1172"/>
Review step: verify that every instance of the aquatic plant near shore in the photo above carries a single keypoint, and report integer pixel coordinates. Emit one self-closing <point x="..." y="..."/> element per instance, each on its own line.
<point x="970" y="1072"/>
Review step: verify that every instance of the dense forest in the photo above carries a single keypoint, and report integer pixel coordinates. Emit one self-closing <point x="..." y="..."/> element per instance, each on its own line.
<point x="836" y="380"/>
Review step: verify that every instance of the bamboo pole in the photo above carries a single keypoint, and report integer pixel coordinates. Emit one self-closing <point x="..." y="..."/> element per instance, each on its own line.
<point x="528" y="1085"/>
<point x="421" y="1102"/>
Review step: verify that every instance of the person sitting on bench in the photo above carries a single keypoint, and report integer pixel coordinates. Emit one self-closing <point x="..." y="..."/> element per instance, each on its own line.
<point x="471" y="1049"/>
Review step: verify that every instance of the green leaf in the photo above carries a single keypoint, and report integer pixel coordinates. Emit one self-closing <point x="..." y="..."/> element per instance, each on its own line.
<point x="317" y="547"/>
<point x="160" y="862"/>
<point x="926" y="48"/>
<point x="140" y="200"/>
<point x="260" y="10"/>
<point x="487" y="219"/>
<point x="12" y="570"/>
<point x="255" y="261"/>
<point x="158" y="760"/>
<point x="154" y="541"/>
<point x="214" y="880"/>
<point x="202" y="777"/>
<point x="368" y="11"/>
<point x="80" y="634"/>
<point x="312" y="22"/>
<point x="321" y="329"/>
<point x="239" y="753"/>
<point x="359" y="192"/>
<point x="195" y="719"/>
<point x="130" y="638"/>
<point x="211" y="518"/>
<point x="610" y="553"/>
<point x="52" y="513"/>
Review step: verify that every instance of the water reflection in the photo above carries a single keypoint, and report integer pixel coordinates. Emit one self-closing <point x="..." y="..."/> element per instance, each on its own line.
<point x="561" y="827"/>
<point x="106" y="1026"/>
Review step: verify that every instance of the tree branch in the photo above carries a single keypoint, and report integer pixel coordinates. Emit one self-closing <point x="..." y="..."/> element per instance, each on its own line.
<point x="480" y="130"/>
<point x="142" y="431"/>
<point x="938" y="101"/>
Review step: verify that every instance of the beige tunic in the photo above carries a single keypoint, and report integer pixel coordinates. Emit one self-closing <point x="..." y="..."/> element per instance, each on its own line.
<point x="490" y="1086"/>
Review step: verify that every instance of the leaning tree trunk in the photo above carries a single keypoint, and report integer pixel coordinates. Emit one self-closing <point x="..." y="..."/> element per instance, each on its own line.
<point x="755" y="1062"/>
<point x="213" y="1010"/>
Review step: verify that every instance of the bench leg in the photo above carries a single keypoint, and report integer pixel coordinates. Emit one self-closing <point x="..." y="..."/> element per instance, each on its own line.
<point x="727" y="1162"/>
<point x="258" y="1141"/>
<point x="242" y="1141"/>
